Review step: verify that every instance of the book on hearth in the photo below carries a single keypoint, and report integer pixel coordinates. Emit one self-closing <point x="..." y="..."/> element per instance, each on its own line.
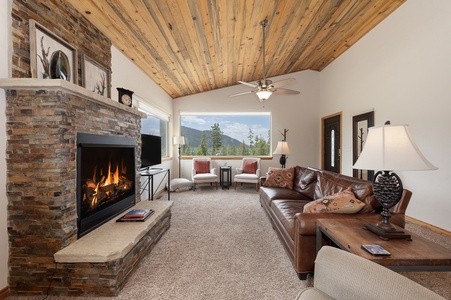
<point x="136" y="215"/>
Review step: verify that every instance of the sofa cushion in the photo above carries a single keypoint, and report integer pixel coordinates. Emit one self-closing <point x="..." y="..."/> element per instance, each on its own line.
<point x="285" y="210"/>
<point x="268" y="194"/>
<point x="304" y="181"/>
<point x="277" y="177"/>
<point x="329" y="184"/>
<point x="343" y="202"/>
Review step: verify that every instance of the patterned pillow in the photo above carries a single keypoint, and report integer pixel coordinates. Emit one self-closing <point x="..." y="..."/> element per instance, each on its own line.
<point x="343" y="202"/>
<point x="277" y="177"/>
<point x="202" y="166"/>
<point x="250" y="167"/>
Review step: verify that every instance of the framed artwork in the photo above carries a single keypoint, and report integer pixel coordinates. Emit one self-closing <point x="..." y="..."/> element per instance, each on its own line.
<point x="360" y="125"/>
<point x="50" y="56"/>
<point x="95" y="77"/>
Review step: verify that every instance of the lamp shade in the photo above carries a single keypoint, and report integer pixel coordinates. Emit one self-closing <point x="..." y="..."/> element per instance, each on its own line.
<point x="282" y="148"/>
<point x="179" y="140"/>
<point x="389" y="148"/>
<point x="263" y="95"/>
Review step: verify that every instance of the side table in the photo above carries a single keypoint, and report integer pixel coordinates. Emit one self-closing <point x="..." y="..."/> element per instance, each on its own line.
<point x="416" y="255"/>
<point x="148" y="184"/>
<point x="225" y="181"/>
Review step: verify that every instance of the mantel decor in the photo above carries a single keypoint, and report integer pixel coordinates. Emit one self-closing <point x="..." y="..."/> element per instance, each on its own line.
<point x="95" y="77"/>
<point x="50" y="56"/>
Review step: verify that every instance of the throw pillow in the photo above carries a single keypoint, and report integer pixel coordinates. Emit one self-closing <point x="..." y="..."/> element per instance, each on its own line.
<point x="277" y="177"/>
<point x="249" y="167"/>
<point x="343" y="202"/>
<point x="329" y="184"/>
<point x="202" y="166"/>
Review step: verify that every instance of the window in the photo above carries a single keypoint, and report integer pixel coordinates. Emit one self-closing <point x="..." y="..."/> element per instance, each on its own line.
<point x="155" y="126"/>
<point x="156" y="123"/>
<point x="226" y="134"/>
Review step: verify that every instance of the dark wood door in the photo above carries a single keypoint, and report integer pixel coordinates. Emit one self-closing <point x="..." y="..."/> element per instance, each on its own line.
<point x="331" y="142"/>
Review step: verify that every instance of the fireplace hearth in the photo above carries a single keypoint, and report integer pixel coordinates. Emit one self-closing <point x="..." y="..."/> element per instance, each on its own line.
<point x="105" y="179"/>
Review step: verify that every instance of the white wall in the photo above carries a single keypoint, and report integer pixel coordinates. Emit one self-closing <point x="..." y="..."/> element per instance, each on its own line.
<point x="402" y="70"/>
<point x="297" y="113"/>
<point x="128" y="76"/>
<point x="5" y="70"/>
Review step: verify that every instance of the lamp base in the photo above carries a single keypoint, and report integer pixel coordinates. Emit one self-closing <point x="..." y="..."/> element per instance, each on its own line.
<point x="283" y="160"/>
<point x="386" y="232"/>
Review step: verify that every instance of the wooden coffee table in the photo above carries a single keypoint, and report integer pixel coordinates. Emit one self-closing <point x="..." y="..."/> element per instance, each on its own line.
<point x="416" y="255"/>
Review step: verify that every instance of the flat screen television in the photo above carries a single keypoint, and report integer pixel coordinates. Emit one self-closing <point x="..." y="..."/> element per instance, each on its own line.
<point x="150" y="150"/>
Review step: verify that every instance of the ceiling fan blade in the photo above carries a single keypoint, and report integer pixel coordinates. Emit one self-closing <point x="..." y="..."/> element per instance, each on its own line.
<point x="286" y="92"/>
<point x="282" y="82"/>
<point x="248" y="84"/>
<point x="243" y="93"/>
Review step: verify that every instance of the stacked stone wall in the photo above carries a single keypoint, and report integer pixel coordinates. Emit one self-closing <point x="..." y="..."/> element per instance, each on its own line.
<point x="42" y="127"/>
<point x="61" y="19"/>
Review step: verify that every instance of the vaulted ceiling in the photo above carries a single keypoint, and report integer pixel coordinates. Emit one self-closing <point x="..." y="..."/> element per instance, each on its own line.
<point x="193" y="46"/>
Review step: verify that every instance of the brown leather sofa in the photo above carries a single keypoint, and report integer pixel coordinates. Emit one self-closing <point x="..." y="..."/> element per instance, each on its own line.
<point x="297" y="230"/>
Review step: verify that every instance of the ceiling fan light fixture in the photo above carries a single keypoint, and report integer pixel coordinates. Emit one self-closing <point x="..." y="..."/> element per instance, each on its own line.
<point x="263" y="95"/>
<point x="265" y="88"/>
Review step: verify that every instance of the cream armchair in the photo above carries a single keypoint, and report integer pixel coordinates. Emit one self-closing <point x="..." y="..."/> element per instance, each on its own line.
<point x="203" y="172"/>
<point x="249" y="172"/>
<point x="343" y="275"/>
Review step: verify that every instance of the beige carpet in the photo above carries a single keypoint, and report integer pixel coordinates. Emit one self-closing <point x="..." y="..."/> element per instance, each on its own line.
<point x="221" y="246"/>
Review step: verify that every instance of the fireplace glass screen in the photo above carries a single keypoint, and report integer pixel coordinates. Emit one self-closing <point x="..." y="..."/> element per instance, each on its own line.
<point x="106" y="179"/>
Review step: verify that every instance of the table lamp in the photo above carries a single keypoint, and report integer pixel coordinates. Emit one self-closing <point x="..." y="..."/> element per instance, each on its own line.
<point x="282" y="148"/>
<point x="388" y="148"/>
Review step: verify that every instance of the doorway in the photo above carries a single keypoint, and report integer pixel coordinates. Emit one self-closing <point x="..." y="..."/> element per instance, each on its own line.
<point x="331" y="141"/>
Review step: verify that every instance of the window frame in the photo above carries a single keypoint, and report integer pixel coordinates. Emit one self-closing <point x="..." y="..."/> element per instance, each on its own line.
<point x="268" y="141"/>
<point x="154" y="112"/>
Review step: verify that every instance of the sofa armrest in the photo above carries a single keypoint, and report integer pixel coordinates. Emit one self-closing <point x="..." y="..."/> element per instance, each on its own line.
<point x="262" y="180"/>
<point x="310" y="293"/>
<point x="401" y="206"/>
<point x="306" y="222"/>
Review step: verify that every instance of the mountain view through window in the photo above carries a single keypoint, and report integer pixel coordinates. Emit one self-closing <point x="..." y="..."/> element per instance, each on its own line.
<point x="217" y="134"/>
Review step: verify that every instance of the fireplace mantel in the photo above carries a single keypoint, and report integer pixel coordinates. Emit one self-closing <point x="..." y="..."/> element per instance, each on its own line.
<point x="64" y="86"/>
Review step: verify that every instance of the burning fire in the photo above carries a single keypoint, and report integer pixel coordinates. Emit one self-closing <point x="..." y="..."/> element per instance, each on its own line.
<point x="109" y="185"/>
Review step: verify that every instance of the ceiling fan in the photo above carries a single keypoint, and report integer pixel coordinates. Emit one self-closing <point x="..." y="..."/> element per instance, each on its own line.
<point x="265" y="88"/>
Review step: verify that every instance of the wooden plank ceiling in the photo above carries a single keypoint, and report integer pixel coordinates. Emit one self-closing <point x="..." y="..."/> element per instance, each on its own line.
<point x="193" y="46"/>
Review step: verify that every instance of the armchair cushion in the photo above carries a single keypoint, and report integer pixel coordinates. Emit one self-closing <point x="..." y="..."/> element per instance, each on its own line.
<point x="202" y="166"/>
<point x="250" y="167"/>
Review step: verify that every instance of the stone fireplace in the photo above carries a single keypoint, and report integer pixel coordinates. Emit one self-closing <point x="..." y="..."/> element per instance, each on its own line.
<point x="44" y="120"/>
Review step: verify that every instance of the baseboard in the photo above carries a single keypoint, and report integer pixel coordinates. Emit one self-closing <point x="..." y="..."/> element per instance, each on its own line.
<point x="429" y="226"/>
<point x="4" y="293"/>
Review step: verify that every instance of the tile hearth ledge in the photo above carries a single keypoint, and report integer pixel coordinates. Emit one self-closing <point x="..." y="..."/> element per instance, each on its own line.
<point x="112" y="240"/>
<point x="63" y="86"/>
